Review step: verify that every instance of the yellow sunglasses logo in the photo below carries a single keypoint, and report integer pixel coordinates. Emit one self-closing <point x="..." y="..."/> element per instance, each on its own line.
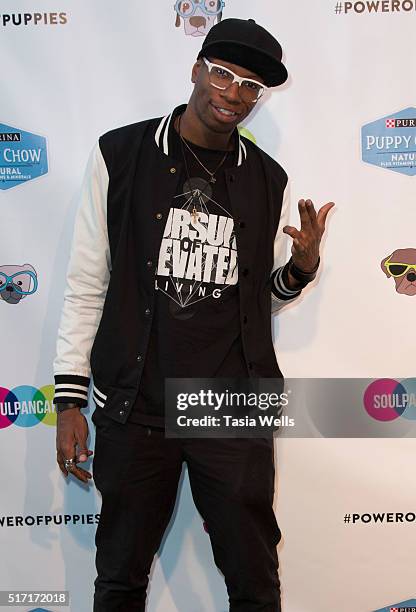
<point x="397" y="269"/>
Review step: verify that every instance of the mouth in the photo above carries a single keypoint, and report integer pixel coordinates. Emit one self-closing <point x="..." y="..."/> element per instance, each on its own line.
<point x="225" y="114"/>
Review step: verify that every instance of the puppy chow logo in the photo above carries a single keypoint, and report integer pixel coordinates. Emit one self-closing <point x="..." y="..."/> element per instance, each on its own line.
<point x="17" y="282"/>
<point x="401" y="265"/>
<point x="27" y="406"/>
<point x="404" y="606"/>
<point x="198" y="16"/>
<point x="390" y="142"/>
<point x="23" y="156"/>
<point x="387" y="399"/>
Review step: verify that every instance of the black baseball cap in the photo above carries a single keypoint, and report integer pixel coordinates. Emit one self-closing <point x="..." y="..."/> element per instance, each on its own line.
<point x="247" y="44"/>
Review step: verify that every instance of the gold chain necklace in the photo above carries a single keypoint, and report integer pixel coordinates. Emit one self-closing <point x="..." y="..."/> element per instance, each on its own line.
<point x="211" y="174"/>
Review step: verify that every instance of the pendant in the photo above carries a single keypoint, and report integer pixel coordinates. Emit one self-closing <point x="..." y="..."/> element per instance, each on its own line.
<point x="194" y="215"/>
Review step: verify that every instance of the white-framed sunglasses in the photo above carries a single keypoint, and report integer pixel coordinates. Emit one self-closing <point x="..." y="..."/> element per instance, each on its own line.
<point x="222" y="78"/>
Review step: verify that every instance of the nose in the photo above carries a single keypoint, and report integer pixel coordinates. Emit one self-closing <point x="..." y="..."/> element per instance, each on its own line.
<point x="411" y="277"/>
<point x="232" y="93"/>
<point x="197" y="22"/>
<point x="10" y="288"/>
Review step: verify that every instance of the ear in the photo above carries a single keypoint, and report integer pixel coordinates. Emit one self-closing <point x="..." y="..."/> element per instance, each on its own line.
<point x="383" y="266"/>
<point x="219" y="14"/>
<point x="178" y="21"/>
<point x="195" y="70"/>
<point x="28" y="267"/>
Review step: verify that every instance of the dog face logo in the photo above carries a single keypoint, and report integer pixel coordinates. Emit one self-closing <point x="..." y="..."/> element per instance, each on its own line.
<point x="198" y="15"/>
<point x="16" y="282"/>
<point x="401" y="265"/>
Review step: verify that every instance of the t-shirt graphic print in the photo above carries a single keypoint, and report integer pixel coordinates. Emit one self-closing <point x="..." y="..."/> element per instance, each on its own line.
<point x="198" y="252"/>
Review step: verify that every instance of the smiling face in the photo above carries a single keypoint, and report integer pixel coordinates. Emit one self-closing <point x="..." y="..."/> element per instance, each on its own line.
<point x="219" y="110"/>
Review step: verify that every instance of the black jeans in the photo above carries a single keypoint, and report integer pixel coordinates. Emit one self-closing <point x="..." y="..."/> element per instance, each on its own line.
<point x="137" y="470"/>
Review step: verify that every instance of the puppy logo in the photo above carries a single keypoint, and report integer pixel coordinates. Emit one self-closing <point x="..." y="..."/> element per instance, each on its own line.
<point x="198" y="15"/>
<point x="401" y="265"/>
<point x="16" y="282"/>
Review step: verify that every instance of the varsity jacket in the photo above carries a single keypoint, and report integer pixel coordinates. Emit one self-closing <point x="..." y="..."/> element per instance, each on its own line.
<point x="109" y="298"/>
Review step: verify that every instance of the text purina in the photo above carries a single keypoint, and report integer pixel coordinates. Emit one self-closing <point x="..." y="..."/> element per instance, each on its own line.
<point x="10" y="137"/>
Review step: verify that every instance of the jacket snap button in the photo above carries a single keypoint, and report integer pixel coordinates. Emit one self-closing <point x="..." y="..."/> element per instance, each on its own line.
<point x="127" y="403"/>
<point x="149" y="263"/>
<point x="121" y="412"/>
<point x="147" y="312"/>
<point x="159" y="216"/>
<point x="139" y="357"/>
<point x="172" y="170"/>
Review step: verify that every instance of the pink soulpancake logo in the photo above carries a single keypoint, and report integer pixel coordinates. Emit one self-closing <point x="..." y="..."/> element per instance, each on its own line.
<point x="387" y="399"/>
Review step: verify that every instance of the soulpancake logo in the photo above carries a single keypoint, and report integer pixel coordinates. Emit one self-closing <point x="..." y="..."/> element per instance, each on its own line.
<point x="404" y="606"/>
<point x="198" y="16"/>
<point x="27" y="406"/>
<point x="387" y="399"/>
<point x="390" y="142"/>
<point x="23" y="156"/>
<point x="17" y="282"/>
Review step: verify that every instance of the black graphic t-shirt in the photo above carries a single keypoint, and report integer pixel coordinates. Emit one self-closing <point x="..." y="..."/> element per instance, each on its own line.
<point x="196" y="325"/>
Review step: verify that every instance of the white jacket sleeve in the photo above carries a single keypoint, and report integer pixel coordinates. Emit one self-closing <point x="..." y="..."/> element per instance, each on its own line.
<point x="87" y="281"/>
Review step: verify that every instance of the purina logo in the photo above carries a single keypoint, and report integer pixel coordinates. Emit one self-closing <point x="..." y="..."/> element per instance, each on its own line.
<point x="23" y="156"/>
<point x="400" y="123"/>
<point x="403" y="606"/>
<point x="390" y="142"/>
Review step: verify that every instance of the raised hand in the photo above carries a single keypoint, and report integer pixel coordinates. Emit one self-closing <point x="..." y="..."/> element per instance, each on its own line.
<point x="306" y="241"/>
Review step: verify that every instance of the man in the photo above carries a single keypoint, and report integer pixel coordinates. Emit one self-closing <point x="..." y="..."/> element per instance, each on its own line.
<point x="178" y="246"/>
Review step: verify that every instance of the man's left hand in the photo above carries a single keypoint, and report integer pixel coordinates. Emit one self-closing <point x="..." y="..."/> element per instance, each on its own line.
<point x="306" y="241"/>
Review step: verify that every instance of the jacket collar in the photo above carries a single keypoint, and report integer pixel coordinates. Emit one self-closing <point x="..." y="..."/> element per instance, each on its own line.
<point x="162" y="132"/>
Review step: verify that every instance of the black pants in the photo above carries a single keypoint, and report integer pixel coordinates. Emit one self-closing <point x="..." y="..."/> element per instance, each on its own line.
<point x="137" y="470"/>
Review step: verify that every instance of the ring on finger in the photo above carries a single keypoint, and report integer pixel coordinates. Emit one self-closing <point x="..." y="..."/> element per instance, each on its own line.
<point x="69" y="464"/>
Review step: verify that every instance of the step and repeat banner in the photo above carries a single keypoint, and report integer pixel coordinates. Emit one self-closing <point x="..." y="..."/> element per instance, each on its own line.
<point x="344" y="128"/>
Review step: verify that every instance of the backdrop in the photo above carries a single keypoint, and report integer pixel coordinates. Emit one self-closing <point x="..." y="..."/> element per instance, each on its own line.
<point x="344" y="128"/>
